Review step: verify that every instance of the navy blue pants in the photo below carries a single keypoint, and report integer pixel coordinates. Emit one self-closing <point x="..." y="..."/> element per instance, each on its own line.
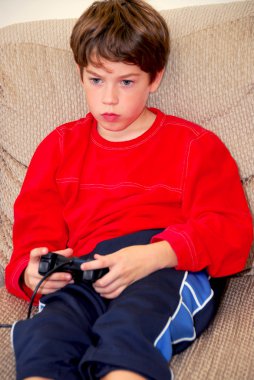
<point x="80" y="335"/>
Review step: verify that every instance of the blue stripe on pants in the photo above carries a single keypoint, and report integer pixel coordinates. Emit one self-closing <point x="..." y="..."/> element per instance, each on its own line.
<point x="195" y="294"/>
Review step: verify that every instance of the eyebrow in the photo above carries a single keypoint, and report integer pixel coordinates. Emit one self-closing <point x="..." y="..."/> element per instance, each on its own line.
<point x="120" y="77"/>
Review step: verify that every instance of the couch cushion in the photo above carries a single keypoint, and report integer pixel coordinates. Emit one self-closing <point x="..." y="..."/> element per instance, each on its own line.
<point x="12" y="309"/>
<point x="209" y="80"/>
<point x="40" y="89"/>
<point x="226" y="350"/>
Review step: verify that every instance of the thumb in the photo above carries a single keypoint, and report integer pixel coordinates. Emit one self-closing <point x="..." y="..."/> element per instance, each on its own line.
<point x="36" y="254"/>
<point x="65" y="252"/>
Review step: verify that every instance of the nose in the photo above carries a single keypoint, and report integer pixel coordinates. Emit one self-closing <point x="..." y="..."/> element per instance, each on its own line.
<point x="110" y="95"/>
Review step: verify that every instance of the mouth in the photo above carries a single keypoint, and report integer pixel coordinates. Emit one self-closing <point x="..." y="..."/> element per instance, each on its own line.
<point x="110" y="116"/>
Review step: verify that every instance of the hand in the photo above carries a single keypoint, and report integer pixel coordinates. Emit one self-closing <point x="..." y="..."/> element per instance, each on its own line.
<point x="54" y="282"/>
<point x="128" y="265"/>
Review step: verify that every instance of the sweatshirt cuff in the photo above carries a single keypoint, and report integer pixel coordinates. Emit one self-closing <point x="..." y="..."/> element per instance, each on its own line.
<point x="17" y="286"/>
<point x="182" y="246"/>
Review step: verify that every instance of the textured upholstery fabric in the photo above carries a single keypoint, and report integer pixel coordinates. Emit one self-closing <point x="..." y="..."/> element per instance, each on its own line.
<point x="224" y="352"/>
<point x="209" y="80"/>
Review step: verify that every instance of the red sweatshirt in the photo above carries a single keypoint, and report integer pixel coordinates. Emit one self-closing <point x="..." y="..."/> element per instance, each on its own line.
<point x="81" y="189"/>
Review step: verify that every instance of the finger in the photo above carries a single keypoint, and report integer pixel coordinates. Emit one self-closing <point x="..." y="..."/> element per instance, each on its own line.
<point x="45" y="291"/>
<point x="60" y="276"/>
<point x="36" y="253"/>
<point x="109" y="288"/>
<point x="32" y="278"/>
<point x="114" y="294"/>
<point x="54" y="285"/>
<point x="107" y="279"/>
<point x="100" y="262"/>
<point x="65" y="252"/>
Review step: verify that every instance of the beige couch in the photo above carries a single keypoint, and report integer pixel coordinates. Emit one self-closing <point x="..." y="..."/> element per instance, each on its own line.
<point x="209" y="80"/>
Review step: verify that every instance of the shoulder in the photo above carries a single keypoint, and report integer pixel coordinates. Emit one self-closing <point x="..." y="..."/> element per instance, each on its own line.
<point x="69" y="135"/>
<point x="75" y="127"/>
<point x="66" y="138"/>
<point x="183" y="126"/>
<point x="69" y="130"/>
<point x="190" y="140"/>
<point x="187" y="131"/>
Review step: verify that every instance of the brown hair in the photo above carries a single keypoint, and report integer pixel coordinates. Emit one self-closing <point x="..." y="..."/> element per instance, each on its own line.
<point x="129" y="31"/>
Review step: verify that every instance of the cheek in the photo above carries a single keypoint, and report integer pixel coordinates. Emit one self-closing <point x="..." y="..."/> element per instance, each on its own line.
<point x="91" y="99"/>
<point x="140" y="96"/>
<point x="137" y="100"/>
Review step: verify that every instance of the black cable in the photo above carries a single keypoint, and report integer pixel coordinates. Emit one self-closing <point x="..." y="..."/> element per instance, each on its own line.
<point x="8" y="326"/>
<point x="39" y="284"/>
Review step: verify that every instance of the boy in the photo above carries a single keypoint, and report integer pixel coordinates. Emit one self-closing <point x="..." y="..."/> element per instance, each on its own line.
<point x="155" y="199"/>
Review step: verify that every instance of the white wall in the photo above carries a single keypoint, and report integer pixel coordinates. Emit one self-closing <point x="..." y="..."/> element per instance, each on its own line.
<point x="14" y="11"/>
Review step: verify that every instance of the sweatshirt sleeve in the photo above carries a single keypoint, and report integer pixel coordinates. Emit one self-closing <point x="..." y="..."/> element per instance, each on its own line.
<point x="38" y="213"/>
<point x="217" y="230"/>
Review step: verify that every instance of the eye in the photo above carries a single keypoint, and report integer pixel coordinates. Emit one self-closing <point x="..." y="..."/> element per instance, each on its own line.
<point x="95" y="81"/>
<point x="127" y="82"/>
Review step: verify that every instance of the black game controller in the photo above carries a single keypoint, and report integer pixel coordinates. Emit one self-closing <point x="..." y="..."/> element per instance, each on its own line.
<point x="72" y="265"/>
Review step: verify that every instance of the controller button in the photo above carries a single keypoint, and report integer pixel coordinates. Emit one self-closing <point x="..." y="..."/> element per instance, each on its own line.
<point x="44" y="267"/>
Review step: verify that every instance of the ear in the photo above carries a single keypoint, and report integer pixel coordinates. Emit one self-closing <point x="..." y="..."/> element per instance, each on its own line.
<point x="157" y="81"/>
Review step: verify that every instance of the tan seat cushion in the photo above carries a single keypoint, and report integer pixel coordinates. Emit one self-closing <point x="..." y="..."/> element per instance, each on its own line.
<point x="225" y="351"/>
<point x="209" y="80"/>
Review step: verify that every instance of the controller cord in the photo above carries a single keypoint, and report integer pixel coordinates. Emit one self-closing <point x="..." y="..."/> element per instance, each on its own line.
<point x="9" y="326"/>
<point x="41" y="282"/>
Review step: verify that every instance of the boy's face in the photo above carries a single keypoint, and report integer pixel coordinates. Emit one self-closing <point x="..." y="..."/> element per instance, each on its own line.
<point x="116" y="95"/>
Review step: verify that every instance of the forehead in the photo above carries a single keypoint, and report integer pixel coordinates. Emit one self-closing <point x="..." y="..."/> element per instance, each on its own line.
<point x="104" y="66"/>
